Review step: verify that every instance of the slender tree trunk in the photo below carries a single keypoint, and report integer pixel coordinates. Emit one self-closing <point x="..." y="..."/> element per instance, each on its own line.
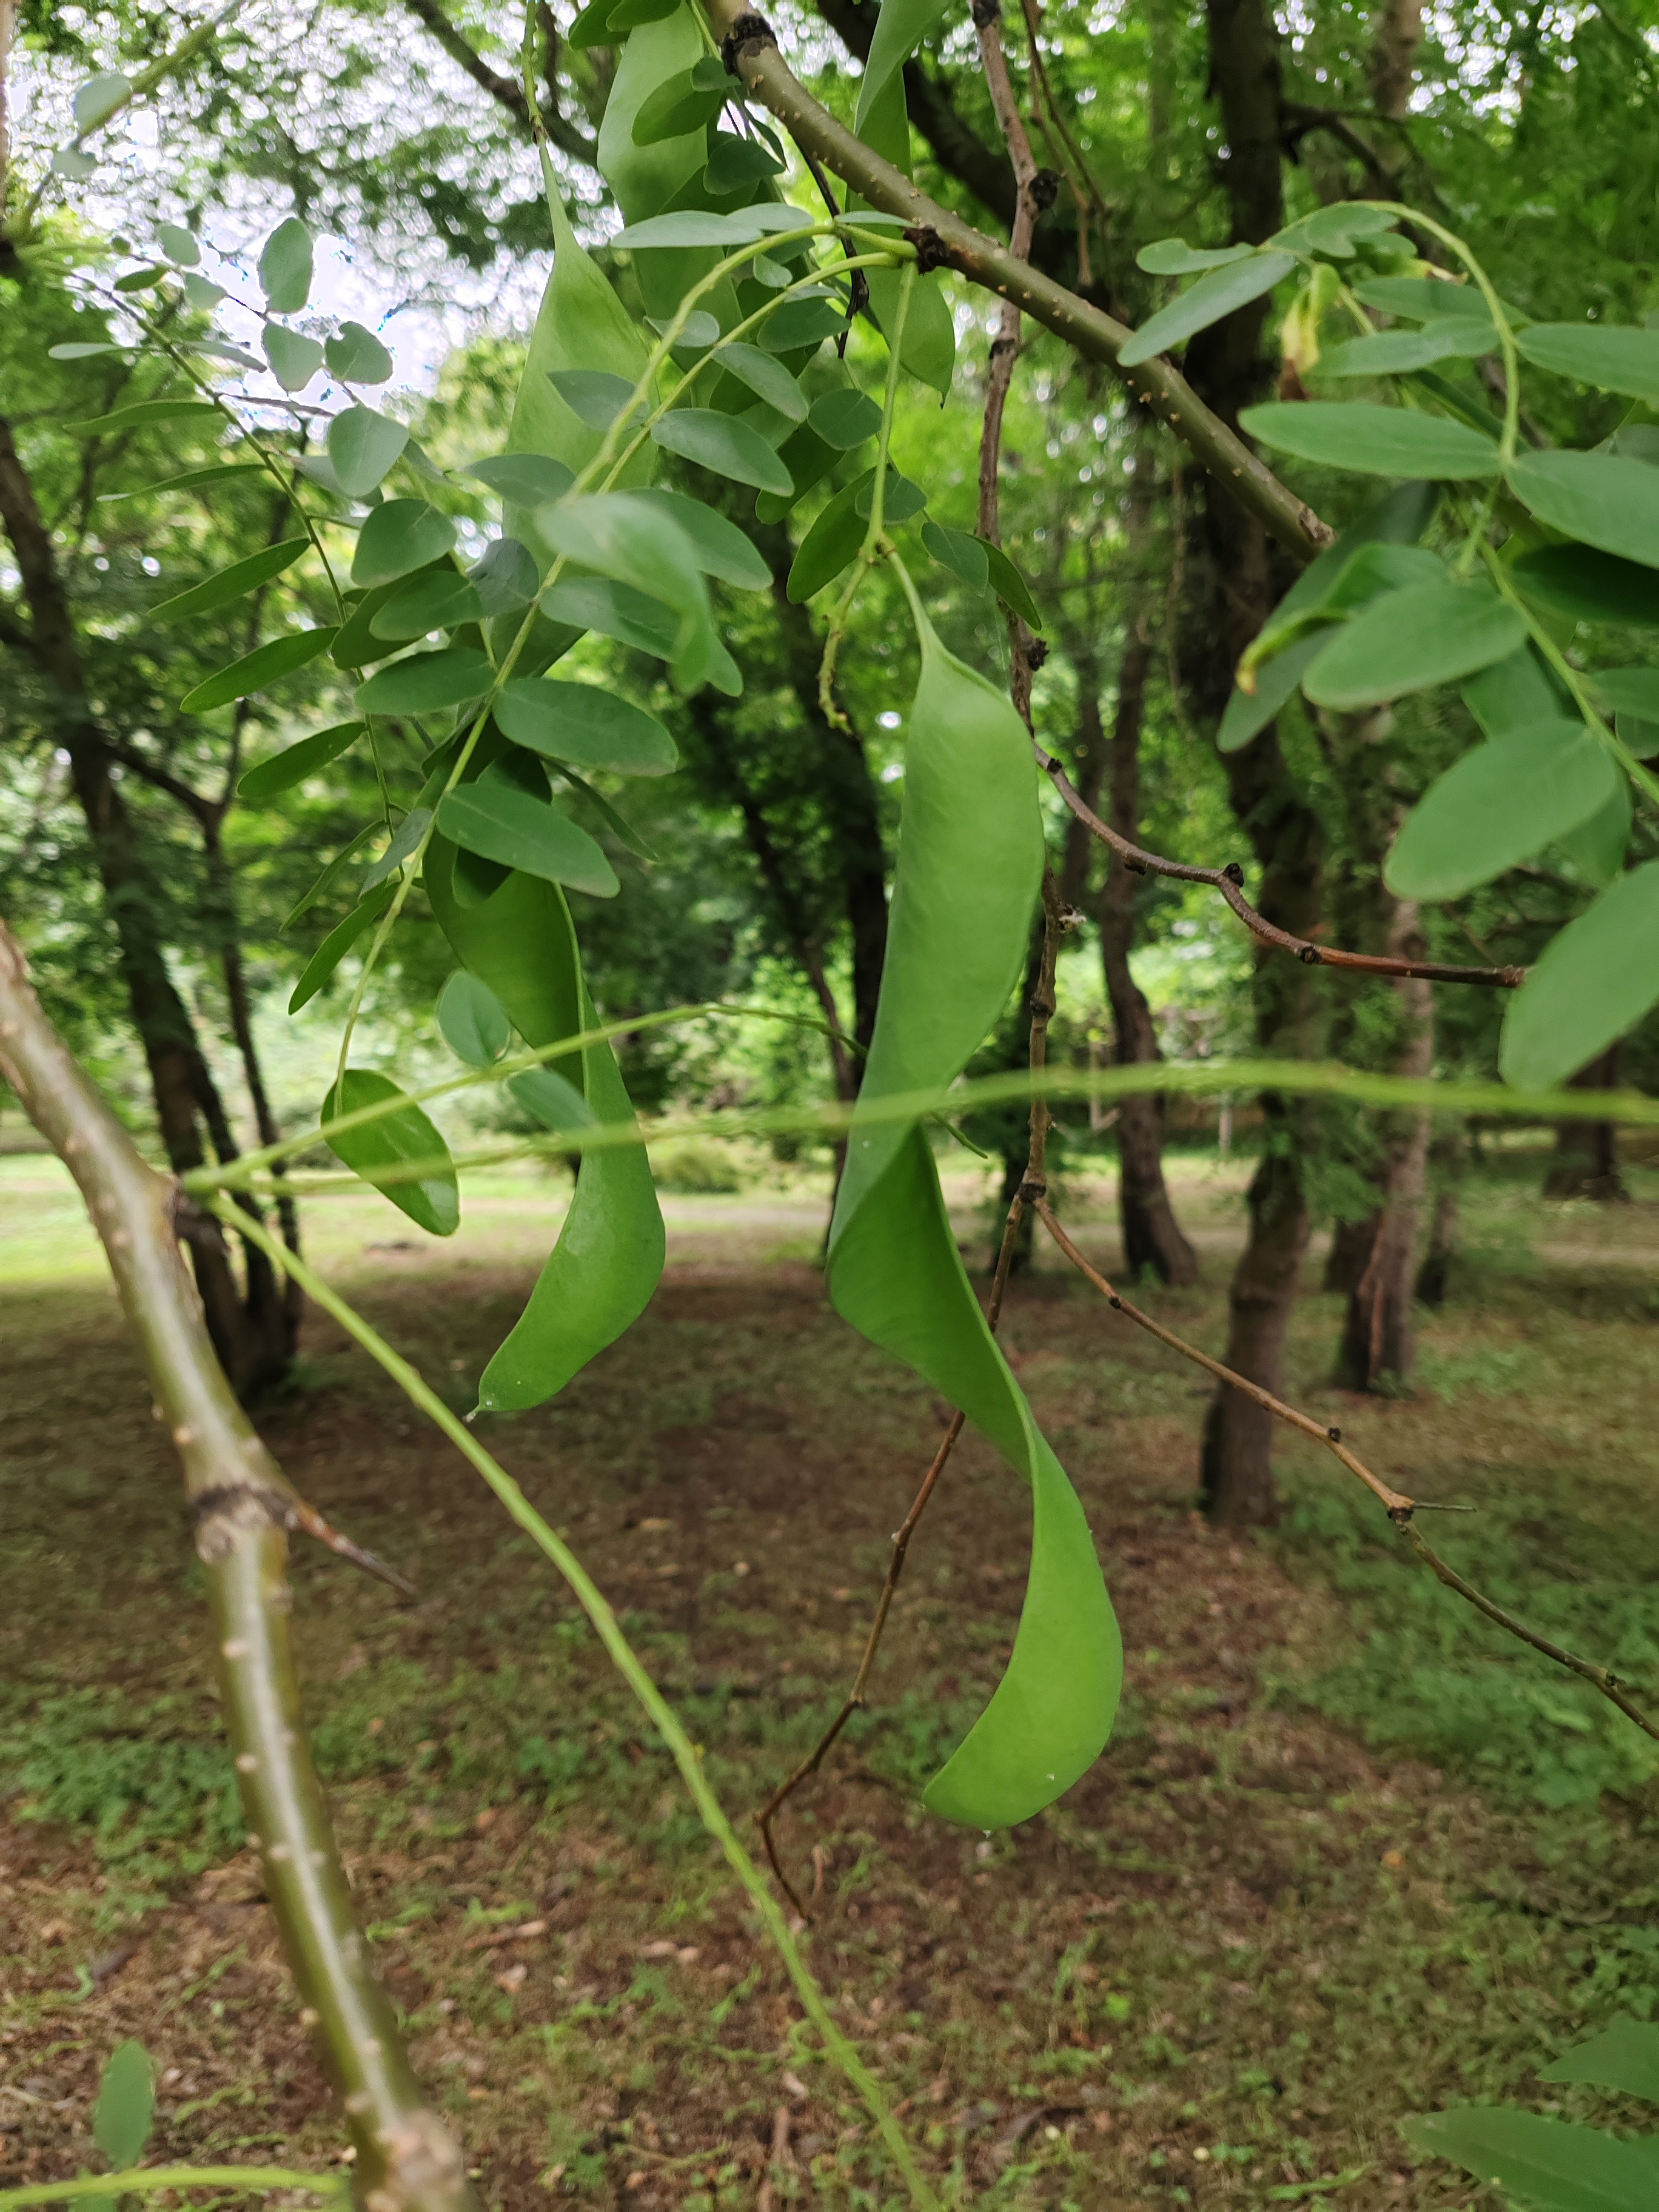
<point x="1151" y="1236"/>
<point x="1446" y="1158"/>
<point x="275" y="1309"/>
<point x="1586" y="1161"/>
<point x="785" y="891"/>
<point x="1350" y="1252"/>
<point x="255" y="1345"/>
<point x="1226" y="365"/>
<point x="1378" y="1341"/>
<point x="846" y="791"/>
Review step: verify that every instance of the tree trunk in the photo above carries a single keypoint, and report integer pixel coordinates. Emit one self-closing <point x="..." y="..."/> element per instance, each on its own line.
<point x="1446" y="1156"/>
<point x="1379" y="1341"/>
<point x="847" y="792"/>
<point x="253" y="1341"/>
<point x="1226" y="365"/>
<point x="1586" y="1162"/>
<point x="274" y="1308"/>
<point x="1350" y="1252"/>
<point x="1151" y="1236"/>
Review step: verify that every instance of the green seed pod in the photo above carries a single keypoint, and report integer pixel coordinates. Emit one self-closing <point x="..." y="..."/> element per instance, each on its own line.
<point x="970" y="860"/>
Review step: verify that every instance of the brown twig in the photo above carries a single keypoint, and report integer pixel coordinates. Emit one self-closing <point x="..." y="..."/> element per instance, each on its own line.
<point x="1395" y="1502"/>
<point x="1033" y="1184"/>
<point x="1230" y="881"/>
<point x="310" y="1522"/>
<point x="1401" y="1509"/>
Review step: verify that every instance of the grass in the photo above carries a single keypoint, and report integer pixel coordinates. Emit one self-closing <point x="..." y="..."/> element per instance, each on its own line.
<point x="1350" y="1855"/>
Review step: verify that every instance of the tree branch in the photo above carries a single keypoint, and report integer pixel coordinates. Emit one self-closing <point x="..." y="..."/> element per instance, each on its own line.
<point x="193" y="801"/>
<point x="1401" y="1509"/>
<point x="243" y="1507"/>
<point x="504" y="90"/>
<point x="959" y="151"/>
<point x="1229" y="881"/>
<point x="946" y="240"/>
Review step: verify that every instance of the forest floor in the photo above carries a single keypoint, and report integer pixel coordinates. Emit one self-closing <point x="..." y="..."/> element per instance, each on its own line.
<point x="1350" y="1855"/>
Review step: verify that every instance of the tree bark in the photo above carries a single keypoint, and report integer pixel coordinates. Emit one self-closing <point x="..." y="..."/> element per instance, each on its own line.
<point x="785" y="893"/>
<point x="254" y="1338"/>
<point x="1586" y="1161"/>
<point x="1151" y="1236"/>
<point x="1239" y="587"/>
<point x="1446" y="1155"/>
<point x="846" y="790"/>
<point x="1378" y="1343"/>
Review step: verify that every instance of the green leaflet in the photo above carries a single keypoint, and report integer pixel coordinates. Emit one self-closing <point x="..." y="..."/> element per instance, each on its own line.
<point x="1554" y="2165"/>
<point x="900" y="28"/>
<point x="268" y="778"/>
<point x="600" y="1274"/>
<point x="126" y="2105"/>
<point x="1232" y="286"/>
<point x="1400" y="518"/>
<point x="1595" y="980"/>
<point x="581" y="325"/>
<point x="255" y="670"/>
<point x="1623" y="2057"/>
<point x="1499" y="804"/>
<point x="387" y="1153"/>
<point x="231" y="583"/>
<point x="970" y="856"/>
<point x="336" y="945"/>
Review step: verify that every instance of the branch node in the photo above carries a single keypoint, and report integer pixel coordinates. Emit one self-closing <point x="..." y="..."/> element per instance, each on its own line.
<point x="747" y="35"/>
<point x="931" y="251"/>
<point x="223" y="1513"/>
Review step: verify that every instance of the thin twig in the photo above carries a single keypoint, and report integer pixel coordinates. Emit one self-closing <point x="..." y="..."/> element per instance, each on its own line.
<point x="310" y="1522"/>
<point x="1033" y="1183"/>
<point x="1395" y="1502"/>
<point x="1230" y="881"/>
<point x="1401" y="1509"/>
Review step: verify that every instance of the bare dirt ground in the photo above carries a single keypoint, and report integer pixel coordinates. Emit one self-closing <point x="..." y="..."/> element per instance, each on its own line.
<point x="1305" y="1892"/>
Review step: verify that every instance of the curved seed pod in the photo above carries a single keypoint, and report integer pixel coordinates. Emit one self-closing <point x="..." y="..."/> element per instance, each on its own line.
<point x="970" y="859"/>
<point x="668" y="173"/>
<point x="599" y="1276"/>
<point x="582" y="323"/>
